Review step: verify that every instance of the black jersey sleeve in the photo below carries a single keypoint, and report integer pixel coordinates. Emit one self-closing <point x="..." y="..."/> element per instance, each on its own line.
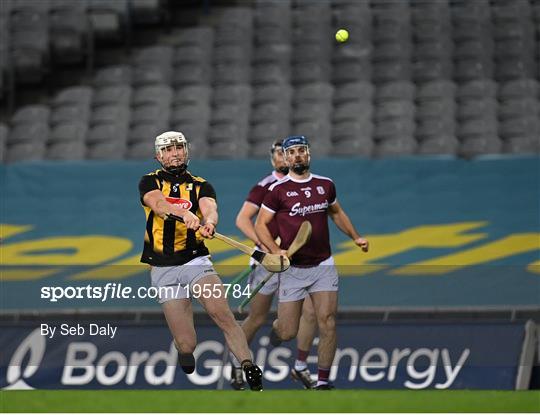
<point x="207" y="190"/>
<point x="147" y="184"/>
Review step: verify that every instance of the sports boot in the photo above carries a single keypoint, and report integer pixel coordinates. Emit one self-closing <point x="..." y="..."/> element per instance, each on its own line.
<point x="253" y="376"/>
<point x="237" y="379"/>
<point x="187" y="362"/>
<point x="303" y="376"/>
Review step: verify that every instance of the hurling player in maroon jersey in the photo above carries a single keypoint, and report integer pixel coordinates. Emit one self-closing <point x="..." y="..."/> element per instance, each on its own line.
<point x="261" y="303"/>
<point x="302" y="196"/>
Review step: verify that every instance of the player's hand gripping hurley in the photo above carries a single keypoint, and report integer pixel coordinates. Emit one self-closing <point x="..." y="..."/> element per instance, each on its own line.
<point x="271" y="262"/>
<point x="301" y="238"/>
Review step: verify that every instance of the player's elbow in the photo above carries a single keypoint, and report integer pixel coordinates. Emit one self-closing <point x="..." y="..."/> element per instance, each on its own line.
<point x="337" y="218"/>
<point x="240" y="220"/>
<point x="208" y="206"/>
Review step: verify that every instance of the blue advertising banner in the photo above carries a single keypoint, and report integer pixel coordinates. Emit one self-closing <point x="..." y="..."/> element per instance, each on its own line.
<point x="369" y="356"/>
<point x="443" y="233"/>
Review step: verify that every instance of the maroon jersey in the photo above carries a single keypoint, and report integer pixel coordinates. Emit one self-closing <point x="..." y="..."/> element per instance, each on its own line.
<point x="294" y="201"/>
<point x="256" y="196"/>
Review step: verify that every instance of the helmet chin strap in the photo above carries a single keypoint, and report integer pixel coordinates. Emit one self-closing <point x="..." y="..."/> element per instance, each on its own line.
<point x="177" y="170"/>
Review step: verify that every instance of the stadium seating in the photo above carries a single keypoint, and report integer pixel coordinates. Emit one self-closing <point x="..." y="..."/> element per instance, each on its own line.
<point x="452" y="77"/>
<point x="38" y="35"/>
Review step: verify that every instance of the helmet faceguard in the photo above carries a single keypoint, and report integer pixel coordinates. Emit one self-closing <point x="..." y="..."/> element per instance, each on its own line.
<point x="297" y="141"/>
<point x="170" y="162"/>
<point x="275" y="150"/>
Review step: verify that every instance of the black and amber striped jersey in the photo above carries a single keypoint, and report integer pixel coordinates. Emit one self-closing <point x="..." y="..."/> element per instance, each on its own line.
<point x="168" y="242"/>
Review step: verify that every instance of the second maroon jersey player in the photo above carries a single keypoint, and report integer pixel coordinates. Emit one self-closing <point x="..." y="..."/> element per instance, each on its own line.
<point x="258" y="192"/>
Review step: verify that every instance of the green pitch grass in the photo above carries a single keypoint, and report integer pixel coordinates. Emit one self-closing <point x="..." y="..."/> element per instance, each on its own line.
<point x="269" y="401"/>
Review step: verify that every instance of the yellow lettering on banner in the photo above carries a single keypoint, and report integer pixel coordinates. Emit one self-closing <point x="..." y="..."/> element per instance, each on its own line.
<point x="132" y="266"/>
<point x="26" y="274"/>
<point x="86" y="250"/>
<point x="534" y="267"/>
<point x="502" y="248"/>
<point x="20" y="274"/>
<point x="7" y="231"/>
<point x="124" y="268"/>
<point x="355" y="262"/>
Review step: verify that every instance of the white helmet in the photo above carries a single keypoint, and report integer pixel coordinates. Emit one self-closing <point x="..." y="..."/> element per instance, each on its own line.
<point x="168" y="139"/>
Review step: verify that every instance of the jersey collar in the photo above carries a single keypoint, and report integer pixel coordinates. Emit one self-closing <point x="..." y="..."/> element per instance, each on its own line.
<point x="175" y="179"/>
<point x="301" y="181"/>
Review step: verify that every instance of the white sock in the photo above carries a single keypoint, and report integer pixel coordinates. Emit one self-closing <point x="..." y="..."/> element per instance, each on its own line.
<point x="235" y="361"/>
<point x="300" y="365"/>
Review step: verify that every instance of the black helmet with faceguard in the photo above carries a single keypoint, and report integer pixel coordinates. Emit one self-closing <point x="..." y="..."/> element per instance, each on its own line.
<point x="278" y="146"/>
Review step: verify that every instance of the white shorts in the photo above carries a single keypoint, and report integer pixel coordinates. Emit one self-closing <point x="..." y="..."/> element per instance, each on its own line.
<point x="180" y="277"/>
<point x="257" y="275"/>
<point x="295" y="283"/>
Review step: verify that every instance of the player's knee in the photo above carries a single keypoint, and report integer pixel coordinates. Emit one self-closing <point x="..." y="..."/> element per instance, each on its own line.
<point x="288" y="333"/>
<point x="309" y="316"/>
<point x="327" y="323"/>
<point x="257" y="320"/>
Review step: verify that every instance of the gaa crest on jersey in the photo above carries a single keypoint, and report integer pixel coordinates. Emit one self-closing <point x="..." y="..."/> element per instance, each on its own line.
<point x="320" y="190"/>
<point x="182" y="203"/>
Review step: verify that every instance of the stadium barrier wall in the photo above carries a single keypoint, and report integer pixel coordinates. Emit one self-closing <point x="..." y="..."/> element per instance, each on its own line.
<point x="443" y="232"/>
<point x="393" y="355"/>
<point x="79" y="223"/>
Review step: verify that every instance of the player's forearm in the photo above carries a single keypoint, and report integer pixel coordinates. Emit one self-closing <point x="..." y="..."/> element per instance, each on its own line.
<point x="209" y="212"/>
<point x="211" y="217"/>
<point x="162" y="208"/>
<point x="265" y="237"/>
<point x="343" y="222"/>
<point x="246" y="226"/>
